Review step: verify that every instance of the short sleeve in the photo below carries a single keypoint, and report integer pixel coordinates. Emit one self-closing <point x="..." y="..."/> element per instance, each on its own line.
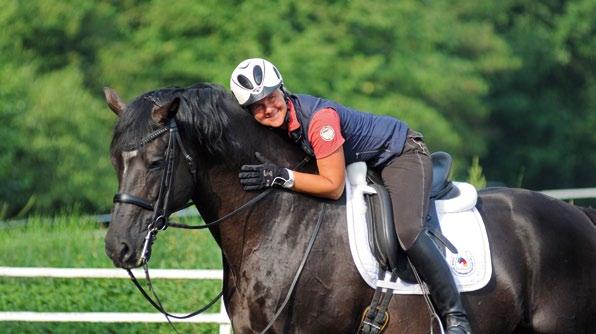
<point x="324" y="132"/>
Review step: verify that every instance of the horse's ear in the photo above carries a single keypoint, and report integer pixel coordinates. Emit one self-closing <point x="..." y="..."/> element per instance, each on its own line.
<point x="114" y="101"/>
<point x="167" y="111"/>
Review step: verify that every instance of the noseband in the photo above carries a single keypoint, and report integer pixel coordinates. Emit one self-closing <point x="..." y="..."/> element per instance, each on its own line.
<point x="160" y="206"/>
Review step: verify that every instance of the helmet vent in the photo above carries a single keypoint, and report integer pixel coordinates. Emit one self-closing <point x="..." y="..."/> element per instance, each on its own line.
<point x="257" y="73"/>
<point x="244" y="81"/>
<point x="277" y="73"/>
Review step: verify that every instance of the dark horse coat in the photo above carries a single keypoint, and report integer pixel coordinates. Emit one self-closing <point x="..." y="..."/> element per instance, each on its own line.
<point x="543" y="250"/>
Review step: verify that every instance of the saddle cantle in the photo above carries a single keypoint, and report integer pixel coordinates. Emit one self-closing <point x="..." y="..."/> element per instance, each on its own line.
<point x="379" y="217"/>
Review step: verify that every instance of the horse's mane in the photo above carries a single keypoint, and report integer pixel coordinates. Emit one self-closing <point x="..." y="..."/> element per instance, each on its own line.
<point x="203" y="117"/>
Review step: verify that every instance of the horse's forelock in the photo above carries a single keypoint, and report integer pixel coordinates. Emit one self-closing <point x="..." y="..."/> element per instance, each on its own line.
<point x="136" y="122"/>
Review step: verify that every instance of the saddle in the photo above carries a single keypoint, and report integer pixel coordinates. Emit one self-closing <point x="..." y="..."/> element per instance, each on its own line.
<point x="453" y="202"/>
<point x="379" y="218"/>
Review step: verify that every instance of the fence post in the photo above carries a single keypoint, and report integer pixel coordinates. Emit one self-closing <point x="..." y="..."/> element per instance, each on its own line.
<point x="224" y="328"/>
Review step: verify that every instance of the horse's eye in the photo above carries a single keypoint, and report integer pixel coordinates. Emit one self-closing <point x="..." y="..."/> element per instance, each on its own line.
<point x="157" y="164"/>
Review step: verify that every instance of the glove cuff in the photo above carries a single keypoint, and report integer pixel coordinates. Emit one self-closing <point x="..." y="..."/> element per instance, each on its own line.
<point x="290" y="181"/>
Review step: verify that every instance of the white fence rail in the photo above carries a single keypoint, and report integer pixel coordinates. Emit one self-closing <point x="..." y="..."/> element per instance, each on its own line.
<point x="571" y="194"/>
<point x="213" y="274"/>
<point x="220" y="318"/>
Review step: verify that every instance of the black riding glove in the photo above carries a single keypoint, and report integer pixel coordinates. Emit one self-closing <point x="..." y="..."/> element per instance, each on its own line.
<point x="265" y="175"/>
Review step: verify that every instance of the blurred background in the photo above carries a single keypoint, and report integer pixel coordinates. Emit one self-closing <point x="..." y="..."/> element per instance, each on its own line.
<point x="510" y="83"/>
<point x="508" y="87"/>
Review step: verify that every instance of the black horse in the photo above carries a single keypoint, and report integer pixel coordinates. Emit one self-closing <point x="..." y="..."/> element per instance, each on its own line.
<point x="543" y="250"/>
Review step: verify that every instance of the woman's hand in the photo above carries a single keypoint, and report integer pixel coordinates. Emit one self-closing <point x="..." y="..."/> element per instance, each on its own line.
<point x="328" y="183"/>
<point x="265" y="175"/>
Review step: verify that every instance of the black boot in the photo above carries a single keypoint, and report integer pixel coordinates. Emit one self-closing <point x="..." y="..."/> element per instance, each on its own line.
<point x="430" y="264"/>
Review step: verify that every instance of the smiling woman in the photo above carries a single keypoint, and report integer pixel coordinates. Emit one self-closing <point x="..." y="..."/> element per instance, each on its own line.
<point x="270" y="111"/>
<point x="336" y="136"/>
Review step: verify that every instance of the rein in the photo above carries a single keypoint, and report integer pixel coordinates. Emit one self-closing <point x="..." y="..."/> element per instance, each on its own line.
<point x="251" y="202"/>
<point x="311" y="242"/>
<point x="161" y="214"/>
<point x="157" y="303"/>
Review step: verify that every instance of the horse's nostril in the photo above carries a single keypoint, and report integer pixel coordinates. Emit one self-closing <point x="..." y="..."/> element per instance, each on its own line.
<point x="125" y="252"/>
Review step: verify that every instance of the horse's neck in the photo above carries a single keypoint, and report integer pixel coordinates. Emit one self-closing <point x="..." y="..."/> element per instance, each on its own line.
<point x="221" y="193"/>
<point x="268" y="232"/>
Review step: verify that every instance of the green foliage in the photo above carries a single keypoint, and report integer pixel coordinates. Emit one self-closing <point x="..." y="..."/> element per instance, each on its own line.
<point x="54" y="154"/>
<point x="57" y="150"/>
<point x="494" y="79"/>
<point x="389" y="58"/>
<point x="475" y="175"/>
<point x="15" y="180"/>
<point x="544" y="112"/>
<point x="66" y="141"/>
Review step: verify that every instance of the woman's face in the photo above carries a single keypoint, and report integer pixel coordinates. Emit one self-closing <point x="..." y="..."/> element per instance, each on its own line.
<point x="270" y="111"/>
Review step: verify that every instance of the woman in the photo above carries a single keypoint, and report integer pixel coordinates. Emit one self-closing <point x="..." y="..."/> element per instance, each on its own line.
<point x="336" y="136"/>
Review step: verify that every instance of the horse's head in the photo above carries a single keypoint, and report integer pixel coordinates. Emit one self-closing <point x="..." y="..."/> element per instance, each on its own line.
<point x="219" y="137"/>
<point x="146" y="152"/>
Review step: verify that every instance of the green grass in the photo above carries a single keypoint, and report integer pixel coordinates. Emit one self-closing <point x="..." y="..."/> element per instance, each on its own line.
<point x="77" y="242"/>
<point x="102" y="328"/>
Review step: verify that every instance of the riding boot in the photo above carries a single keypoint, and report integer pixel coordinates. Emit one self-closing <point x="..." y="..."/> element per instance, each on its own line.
<point x="432" y="267"/>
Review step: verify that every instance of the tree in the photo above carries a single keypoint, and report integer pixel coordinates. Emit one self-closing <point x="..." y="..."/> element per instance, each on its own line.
<point x="426" y="64"/>
<point x="455" y="70"/>
<point x="543" y="112"/>
<point x="54" y="151"/>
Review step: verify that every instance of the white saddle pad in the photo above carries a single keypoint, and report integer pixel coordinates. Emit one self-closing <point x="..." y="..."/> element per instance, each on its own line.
<point x="460" y="222"/>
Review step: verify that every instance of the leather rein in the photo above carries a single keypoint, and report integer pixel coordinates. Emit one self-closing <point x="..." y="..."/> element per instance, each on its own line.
<point x="160" y="220"/>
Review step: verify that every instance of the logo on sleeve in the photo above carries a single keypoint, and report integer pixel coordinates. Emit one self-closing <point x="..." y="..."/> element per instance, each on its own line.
<point x="327" y="133"/>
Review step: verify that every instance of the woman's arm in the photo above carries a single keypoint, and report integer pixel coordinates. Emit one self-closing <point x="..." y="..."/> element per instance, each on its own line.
<point x="329" y="182"/>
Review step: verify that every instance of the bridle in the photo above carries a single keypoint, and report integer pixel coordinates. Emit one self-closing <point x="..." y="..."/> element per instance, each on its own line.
<point x="160" y="220"/>
<point x="161" y="213"/>
<point x="160" y="209"/>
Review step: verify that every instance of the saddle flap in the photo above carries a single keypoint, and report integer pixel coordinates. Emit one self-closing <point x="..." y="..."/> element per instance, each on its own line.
<point x="381" y="225"/>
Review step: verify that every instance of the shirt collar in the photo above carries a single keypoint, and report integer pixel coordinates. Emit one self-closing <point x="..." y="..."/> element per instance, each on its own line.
<point x="293" y="123"/>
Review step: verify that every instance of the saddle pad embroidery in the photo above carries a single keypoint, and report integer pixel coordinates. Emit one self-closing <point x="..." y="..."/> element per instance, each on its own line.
<point x="471" y="267"/>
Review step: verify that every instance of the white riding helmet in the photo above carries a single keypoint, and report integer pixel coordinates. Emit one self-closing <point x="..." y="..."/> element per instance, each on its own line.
<point x="253" y="79"/>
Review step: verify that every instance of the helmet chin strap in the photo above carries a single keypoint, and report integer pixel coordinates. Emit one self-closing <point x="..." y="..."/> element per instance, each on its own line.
<point x="287" y="117"/>
<point x="286" y="95"/>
